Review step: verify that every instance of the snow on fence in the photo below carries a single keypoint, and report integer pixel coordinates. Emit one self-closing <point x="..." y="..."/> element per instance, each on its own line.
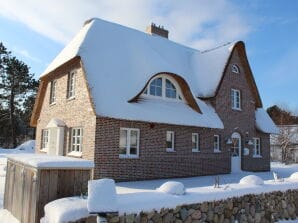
<point x="34" y="180"/>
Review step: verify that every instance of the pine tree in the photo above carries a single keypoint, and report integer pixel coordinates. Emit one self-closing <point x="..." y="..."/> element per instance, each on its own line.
<point x="17" y="85"/>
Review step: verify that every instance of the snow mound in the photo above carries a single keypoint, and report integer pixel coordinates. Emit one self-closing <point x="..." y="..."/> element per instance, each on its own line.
<point x="102" y="196"/>
<point x="172" y="187"/>
<point x="251" y="180"/>
<point x="67" y="209"/>
<point x="27" y="146"/>
<point x="294" y="176"/>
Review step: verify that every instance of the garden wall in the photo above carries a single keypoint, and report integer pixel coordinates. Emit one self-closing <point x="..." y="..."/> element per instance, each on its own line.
<point x="267" y="207"/>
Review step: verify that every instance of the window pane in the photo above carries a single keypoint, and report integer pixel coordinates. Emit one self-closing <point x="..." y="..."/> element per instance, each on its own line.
<point x="158" y="91"/>
<point x="158" y="82"/>
<point x="123" y="138"/>
<point x="133" y="151"/>
<point x="133" y="138"/>
<point x="194" y="141"/>
<point x="152" y="90"/>
<point x="170" y="137"/>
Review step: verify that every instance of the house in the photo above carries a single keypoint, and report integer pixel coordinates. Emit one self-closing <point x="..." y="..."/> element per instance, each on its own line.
<point x="288" y="136"/>
<point x="144" y="107"/>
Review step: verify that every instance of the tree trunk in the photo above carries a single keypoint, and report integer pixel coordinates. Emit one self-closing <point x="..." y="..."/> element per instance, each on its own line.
<point x="11" y="113"/>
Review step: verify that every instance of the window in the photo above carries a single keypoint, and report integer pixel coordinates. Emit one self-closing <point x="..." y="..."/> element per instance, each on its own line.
<point x="71" y="84"/>
<point x="216" y="144"/>
<point x="76" y="140"/>
<point x="156" y="87"/>
<point x="170" y="141"/>
<point x="164" y="87"/>
<point x="53" y="92"/>
<point x="235" y="99"/>
<point x="195" y="142"/>
<point x="44" y="139"/>
<point x="170" y="89"/>
<point x="235" y="69"/>
<point x="257" y="147"/>
<point x="129" y="142"/>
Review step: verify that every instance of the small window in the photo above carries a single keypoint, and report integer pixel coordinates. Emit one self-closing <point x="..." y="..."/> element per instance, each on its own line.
<point x="53" y="92"/>
<point x="76" y="140"/>
<point x="170" y="90"/>
<point x="129" y="142"/>
<point x="216" y="144"/>
<point x="44" y="139"/>
<point x="195" y="142"/>
<point x="236" y="99"/>
<point x="257" y="147"/>
<point x="156" y="87"/>
<point x="170" y="141"/>
<point x="235" y="69"/>
<point x="71" y="84"/>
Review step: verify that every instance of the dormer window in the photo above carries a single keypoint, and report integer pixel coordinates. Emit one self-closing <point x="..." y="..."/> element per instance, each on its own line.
<point x="235" y="69"/>
<point x="165" y="87"/>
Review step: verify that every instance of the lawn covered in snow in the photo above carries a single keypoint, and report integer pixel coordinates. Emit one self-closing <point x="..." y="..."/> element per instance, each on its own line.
<point x="142" y="195"/>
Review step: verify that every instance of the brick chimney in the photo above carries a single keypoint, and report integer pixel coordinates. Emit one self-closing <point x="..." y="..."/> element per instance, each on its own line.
<point x="157" y="30"/>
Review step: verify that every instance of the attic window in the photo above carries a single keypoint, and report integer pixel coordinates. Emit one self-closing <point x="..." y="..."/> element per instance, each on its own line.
<point x="164" y="87"/>
<point x="235" y="69"/>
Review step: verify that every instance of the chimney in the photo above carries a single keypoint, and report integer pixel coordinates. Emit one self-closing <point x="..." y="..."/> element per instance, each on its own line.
<point x="157" y="30"/>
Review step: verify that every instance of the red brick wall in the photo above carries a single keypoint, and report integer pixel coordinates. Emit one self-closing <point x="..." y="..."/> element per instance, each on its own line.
<point x="241" y="121"/>
<point x="77" y="112"/>
<point x="154" y="161"/>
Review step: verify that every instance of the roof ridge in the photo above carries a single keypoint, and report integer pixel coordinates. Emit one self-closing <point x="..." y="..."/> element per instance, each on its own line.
<point x="217" y="47"/>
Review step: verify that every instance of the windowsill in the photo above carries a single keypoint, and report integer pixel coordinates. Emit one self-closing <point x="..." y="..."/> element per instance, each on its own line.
<point x="125" y="156"/>
<point x="237" y="109"/>
<point x="257" y="156"/>
<point x="52" y="104"/>
<point x="43" y="150"/>
<point x="71" y="98"/>
<point x="195" y="150"/>
<point x="170" y="150"/>
<point x="217" y="151"/>
<point x="75" y="154"/>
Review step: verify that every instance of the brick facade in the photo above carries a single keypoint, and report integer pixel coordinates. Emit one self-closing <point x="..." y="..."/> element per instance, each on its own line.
<point x="101" y="134"/>
<point x="76" y="112"/>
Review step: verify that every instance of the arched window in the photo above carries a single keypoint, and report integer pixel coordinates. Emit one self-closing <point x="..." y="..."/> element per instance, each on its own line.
<point x="165" y="87"/>
<point x="156" y="87"/>
<point x="235" y="69"/>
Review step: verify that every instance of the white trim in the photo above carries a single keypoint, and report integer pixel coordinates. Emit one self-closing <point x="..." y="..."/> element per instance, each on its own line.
<point x="197" y="148"/>
<point x="170" y="149"/>
<point x="216" y="144"/>
<point x="235" y="99"/>
<point x="164" y="77"/>
<point x="128" y="142"/>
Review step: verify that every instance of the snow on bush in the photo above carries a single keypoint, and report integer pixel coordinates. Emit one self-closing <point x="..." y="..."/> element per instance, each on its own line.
<point x="294" y="176"/>
<point x="172" y="187"/>
<point x="102" y="196"/>
<point x="251" y="180"/>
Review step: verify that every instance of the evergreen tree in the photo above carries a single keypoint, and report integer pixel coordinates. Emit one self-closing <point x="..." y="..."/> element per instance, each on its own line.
<point x="17" y="86"/>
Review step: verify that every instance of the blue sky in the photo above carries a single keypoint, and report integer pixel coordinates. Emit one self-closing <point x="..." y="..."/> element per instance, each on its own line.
<point x="36" y="31"/>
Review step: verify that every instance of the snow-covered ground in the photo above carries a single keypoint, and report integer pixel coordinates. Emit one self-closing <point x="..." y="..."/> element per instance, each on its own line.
<point x="132" y="195"/>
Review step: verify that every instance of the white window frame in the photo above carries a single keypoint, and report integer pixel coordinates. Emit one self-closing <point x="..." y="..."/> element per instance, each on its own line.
<point x="71" y="84"/>
<point x="171" y="149"/>
<point x="44" y="140"/>
<point x="257" y="147"/>
<point x="53" y="89"/>
<point x="216" y="144"/>
<point x="235" y="69"/>
<point x="197" y="147"/>
<point x="128" y="135"/>
<point x="164" y="78"/>
<point x="73" y="141"/>
<point x="236" y="99"/>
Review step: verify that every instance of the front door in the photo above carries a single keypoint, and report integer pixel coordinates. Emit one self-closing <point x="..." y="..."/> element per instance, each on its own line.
<point x="236" y="152"/>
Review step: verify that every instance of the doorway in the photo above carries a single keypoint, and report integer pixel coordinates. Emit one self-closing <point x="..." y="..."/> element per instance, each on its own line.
<point x="236" y="152"/>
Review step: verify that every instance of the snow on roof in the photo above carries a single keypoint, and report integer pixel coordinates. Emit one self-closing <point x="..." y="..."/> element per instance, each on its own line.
<point x="264" y="123"/>
<point x="55" y="123"/>
<point x="43" y="161"/>
<point x="119" y="61"/>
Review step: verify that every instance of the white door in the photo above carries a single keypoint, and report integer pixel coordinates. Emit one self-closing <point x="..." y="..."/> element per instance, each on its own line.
<point x="236" y="152"/>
